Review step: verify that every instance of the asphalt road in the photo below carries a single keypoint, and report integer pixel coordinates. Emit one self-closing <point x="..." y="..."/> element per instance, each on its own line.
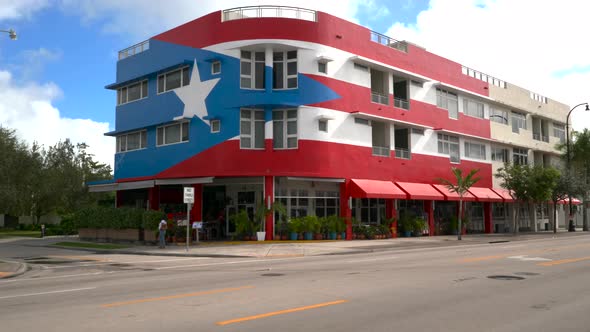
<point x="541" y="286"/>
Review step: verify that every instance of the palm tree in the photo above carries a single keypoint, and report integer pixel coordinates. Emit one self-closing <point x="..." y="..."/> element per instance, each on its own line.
<point x="462" y="185"/>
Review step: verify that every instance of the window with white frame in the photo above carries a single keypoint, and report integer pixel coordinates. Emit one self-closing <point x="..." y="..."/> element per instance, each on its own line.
<point x="520" y="156"/>
<point x="171" y="134"/>
<point x="499" y="211"/>
<point x="284" y="70"/>
<point x="215" y="126"/>
<point x="132" y="141"/>
<point x="473" y="108"/>
<point x="499" y="116"/>
<point x="323" y="125"/>
<point x="284" y="127"/>
<point x="372" y="210"/>
<point x="132" y="92"/>
<point x="475" y="150"/>
<point x="362" y="121"/>
<point x="252" y="70"/>
<point x="518" y="122"/>
<point x="449" y="145"/>
<point x="559" y="131"/>
<point x="251" y="129"/>
<point x="216" y="67"/>
<point x="298" y="203"/>
<point x="448" y="101"/>
<point x="173" y="79"/>
<point x="500" y="154"/>
<point x="327" y="203"/>
<point x="323" y="67"/>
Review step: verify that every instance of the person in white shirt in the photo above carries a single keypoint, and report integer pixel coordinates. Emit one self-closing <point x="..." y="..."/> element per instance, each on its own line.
<point x="162" y="228"/>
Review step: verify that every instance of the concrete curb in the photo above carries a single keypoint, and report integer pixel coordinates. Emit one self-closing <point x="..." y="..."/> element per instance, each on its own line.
<point x="22" y="268"/>
<point x="146" y="253"/>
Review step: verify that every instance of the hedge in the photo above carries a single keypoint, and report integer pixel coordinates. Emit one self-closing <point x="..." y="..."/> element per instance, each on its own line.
<point x="117" y="218"/>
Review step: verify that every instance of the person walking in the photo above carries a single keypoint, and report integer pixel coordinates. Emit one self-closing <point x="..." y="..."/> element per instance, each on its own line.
<point x="162" y="228"/>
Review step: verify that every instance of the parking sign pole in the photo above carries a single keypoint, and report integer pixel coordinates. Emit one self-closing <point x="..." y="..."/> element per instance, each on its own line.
<point x="188" y="211"/>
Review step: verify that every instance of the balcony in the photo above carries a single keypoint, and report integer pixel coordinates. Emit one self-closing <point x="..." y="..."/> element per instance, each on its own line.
<point x="135" y="49"/>
<point x="401" y="103"/>
<point x="379" y="98"/>
<point x="539" y="137"/>
<point x="269" y="11"/>
<point x="389" y="42"/>
<point x="402" y="153"/>
<point x="382" y="151"/>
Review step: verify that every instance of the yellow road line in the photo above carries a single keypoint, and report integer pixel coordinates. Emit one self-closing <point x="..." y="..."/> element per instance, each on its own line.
<point x="564" y="261"/>
<point x="3" y="274"/>
<point x="178" y="296"/>
<point x="275" y="313"/>
<point x="484" y="258"/>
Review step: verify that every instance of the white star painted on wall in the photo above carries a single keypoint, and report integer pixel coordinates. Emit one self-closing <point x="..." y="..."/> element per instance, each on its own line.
<point x="194" y="94"/>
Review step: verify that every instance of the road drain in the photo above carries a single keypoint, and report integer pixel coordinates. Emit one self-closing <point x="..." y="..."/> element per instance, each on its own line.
<point x="272" y="274"/>
<point x="506" y="277"/>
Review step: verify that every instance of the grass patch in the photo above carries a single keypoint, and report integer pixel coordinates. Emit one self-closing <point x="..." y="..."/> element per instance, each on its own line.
<point x="90" y="245"/>
<point x="11" y="233"/>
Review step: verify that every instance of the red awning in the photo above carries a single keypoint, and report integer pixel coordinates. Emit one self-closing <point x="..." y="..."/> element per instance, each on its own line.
<point x="360" y="188"/>
<point x="566" y="201"/>
<point x="485" y="195"/>
<point x="421" y="191"/>
<point x="452" y="196"/>
<point x="505" y="194"/>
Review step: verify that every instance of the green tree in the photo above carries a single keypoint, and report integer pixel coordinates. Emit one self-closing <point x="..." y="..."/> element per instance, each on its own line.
<point x="528" y="184"/>
<point x="567" y="183"/>
<point x="580" y="157"/>
<point x="460" y="185"/>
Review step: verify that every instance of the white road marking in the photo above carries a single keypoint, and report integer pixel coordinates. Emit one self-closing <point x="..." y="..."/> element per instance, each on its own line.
<point x="44" y="293"/>
<point x="125" y="262"/>
<point x="526" y="258"/>
<point x="371" y="259"/>
<point x="513" y="246"/>
<point x="228" y="263"/>
<point x="44" y="278"/>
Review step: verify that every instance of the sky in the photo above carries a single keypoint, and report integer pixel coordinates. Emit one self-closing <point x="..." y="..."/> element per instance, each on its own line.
<point x="52" y="78"/>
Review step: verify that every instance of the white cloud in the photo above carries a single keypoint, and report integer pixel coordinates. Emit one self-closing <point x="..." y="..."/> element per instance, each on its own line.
<point x="528" y="43"/>
<point x="28" y="109"/>
<point x="141" y="19"/>
<point x="14" y="10"/>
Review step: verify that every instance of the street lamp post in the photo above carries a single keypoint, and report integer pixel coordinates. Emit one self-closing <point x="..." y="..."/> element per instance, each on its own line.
<point x="11" y="33"/>
<point x="571" y="226"/>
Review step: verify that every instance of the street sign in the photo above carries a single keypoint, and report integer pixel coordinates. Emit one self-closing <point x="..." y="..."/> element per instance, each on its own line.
<point x="189" y="195"/>
<point x="198" y="225"/>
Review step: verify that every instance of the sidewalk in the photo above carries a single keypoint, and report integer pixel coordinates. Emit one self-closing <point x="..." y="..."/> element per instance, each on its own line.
<point x="10" y="269"/>
<point x="276" y="249"/>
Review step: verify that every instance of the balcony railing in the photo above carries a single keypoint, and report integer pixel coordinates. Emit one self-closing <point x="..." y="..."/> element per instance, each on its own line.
<point x="135" y="49"/>
<point x="402" y="153"/>
<point x="269" y="11"/>
<point x="401" y="103"/>
<point x="383" y="151"/>
<point x="545" y="138"/>
<point x="536" y="136"/>
<point x="390" y="42"/>
<point x="380" y="98"/>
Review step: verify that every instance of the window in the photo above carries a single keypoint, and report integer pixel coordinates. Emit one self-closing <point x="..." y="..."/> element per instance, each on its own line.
<point x="327" y="203"/>
<point x="323" y="125"/>
<point x="559" y="131"/>
<point x="520" y="156"/>
<point x="448" y="101"/>
<point x="361" y="67"/>
<point x="361" y="121"/>
<point x="372" y="210"/>
<point x="449" y="145"/>
<point x="499" y="116"/>
<point x="475" y="151"/>
<point x="282" y="79"/>
<point x="538" y="97"/>
<point x="500" y="154"/>
<point x="132" y="92"/>
<point x="215" y="126"/>
<point x="518" y="122"/>
<point x="498" y="211"/>
<point x="172" y="80"/>
<point x="252" y="70"/>
<point x="284" y="128"/>
<point x="473" y="108"/>
<point x="133" y="141"/>
<point x="251" y="129"/>
<point x="323" y="67"/>
<point x="174" y="133"/>
<point x="418" y="131"/>
<point x="299" y="203"/>
<point x="216" y="67"/>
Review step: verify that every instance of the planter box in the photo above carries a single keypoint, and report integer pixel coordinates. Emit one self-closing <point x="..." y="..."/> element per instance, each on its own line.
<point x="87" y="234"/>
<point x="129" y="234"/>
<point x="150" y="236"/>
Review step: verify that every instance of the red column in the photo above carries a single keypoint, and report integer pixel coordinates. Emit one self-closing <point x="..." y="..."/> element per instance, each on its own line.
<point x="430" y="213"/>
<point x="197" y="209"/>
<point x="269" y="198"/>
<point x="345" y="210"/>
<point x="118" y="198"/>
<point x="391" y="212"/>
<point x="154" y="198"/>
<point x="488" y="222"/>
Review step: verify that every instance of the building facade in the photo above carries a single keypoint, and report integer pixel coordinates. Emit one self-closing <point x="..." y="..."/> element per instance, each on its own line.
<point x="262" y="104"/>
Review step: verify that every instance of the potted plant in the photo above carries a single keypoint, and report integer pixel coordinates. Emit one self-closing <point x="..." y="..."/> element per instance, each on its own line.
<point x="311" y="225"/>
<point x="244" y="226"/>
<point x="407" y="225"/>
<point x="419" y="226"/>
<point x="295" y="227"/>
<point x="262" y="212"/>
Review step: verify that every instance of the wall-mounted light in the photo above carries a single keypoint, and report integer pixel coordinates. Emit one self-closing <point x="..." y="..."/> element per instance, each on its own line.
<point x="268" y="202"/>
<point x="350" y="202"/>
